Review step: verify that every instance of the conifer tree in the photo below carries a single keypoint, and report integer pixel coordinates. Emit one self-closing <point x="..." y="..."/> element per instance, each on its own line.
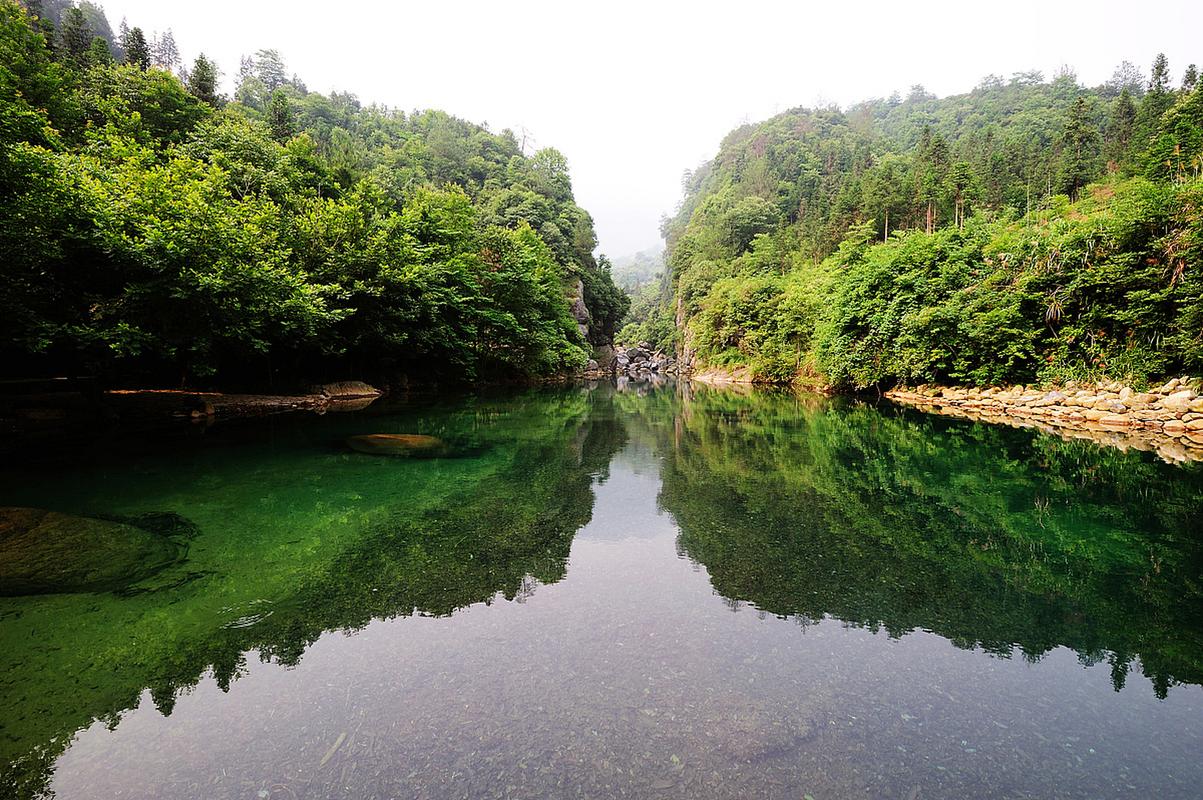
<point x="1119" y="130"/>
<point x="1078" y="148"/>
<point x="1159" y="81"/>
<point x="122" y="37"/>
<point x="166" y="53"/>
<point x="279" y="116"/>
<point x="74" y="37"/>
<point x="1156" y="102"/>
<point x="931" y="174"/>
<point x="137" y="52"/>
<point x="1125" y="77"/>
<point x="202" y="80"/>
<point x="99" y="53"/>
<point x="1176" y="151"/>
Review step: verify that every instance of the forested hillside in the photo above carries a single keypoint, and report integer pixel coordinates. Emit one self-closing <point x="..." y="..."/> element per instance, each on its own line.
<point x="1027" y="230"/>
<point x="153" y="230"/>
<point x="636" y="270"/>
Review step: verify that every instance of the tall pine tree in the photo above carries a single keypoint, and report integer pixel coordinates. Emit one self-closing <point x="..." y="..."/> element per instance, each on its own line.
<point x="202" y="80"/>
<point x="1157" y="101"/>
<point x="137" y="52"/>
<point x="74" y="38"/>
<point x="165" y="52"/>
<point x="1079" y="148"/>
<point x="1120" y="127"/>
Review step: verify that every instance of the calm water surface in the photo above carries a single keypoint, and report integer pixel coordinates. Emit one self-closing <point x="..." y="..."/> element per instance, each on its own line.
<point x="597" y="593"/>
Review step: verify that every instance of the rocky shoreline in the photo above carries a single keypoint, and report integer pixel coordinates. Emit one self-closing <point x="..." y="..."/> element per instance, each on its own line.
<point x="1166" y="420"/>
<point x="638" y="362"/>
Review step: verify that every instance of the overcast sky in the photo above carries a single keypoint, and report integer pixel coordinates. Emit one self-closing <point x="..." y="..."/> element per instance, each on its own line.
<point x="635" y="93"/>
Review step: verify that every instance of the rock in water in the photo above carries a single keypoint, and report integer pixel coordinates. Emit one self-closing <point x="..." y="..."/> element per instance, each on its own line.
<point x="45" y="552"/>
<point x="399" y="444"/>
<point x="346" y="389"/>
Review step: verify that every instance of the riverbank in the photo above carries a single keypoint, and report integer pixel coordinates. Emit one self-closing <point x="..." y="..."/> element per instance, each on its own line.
<point x="1166" y="420"/>
<point x="347" y="395"/>
<point x="742" y="376"/>
<point x="57" y="408"/>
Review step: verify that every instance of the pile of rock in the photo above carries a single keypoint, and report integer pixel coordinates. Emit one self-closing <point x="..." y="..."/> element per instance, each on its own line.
<point x="642" y="362"/>
<point x="1169" y="416"/>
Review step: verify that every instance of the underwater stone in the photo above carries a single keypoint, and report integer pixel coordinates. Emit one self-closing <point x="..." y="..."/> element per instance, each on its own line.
<point x="398" y="444"/>
<point x="45" y="552"/>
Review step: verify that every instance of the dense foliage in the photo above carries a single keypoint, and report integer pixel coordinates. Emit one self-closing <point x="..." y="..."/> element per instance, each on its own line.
<point x="956" y="240"/>
<point x="152" y="229"/>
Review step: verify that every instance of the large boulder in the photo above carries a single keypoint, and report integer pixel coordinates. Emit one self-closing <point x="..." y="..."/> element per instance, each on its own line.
<point x="346" y="389"/>
<point x="1179" y="401"/>
<point x="44" y="552"/>
<point x="605" y="356"/>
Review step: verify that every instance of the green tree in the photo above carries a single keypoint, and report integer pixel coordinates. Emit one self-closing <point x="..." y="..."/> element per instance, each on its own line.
<point x="1157" y="100"/>
<point x="747" y="219"/>
<point x="202" y="80"/>
<point x="932" y="175"/>
<point x="1120" y="127"/>
<point x="1079" y="148"/>
<point x="137" y="52"/>
<point x="99" y="54"/>
<point x="884" y="191"/>
<point x="1176" y="150"/>
<point x="74" y="37"/>
<point x="280" y="116"/>
<point x="962" y="185"/>
<point x="1159" y="80"/>
<point x="1127" y="77"/>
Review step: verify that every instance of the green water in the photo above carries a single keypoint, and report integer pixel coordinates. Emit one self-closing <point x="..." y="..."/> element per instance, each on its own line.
<point x="661" y="592"/>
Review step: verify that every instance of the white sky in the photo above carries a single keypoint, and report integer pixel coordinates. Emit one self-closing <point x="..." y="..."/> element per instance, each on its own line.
<point x="635" y="93"/>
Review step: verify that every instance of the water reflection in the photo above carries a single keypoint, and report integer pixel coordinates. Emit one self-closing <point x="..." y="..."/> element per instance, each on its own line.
<point x="623" y="524"/>
<point x="992" y="538"/>
<point x="298" y="537"/>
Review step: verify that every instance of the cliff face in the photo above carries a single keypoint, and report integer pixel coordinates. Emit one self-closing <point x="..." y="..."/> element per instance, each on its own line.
<point x="580" y="311"/>
<point x="601" y="342"/>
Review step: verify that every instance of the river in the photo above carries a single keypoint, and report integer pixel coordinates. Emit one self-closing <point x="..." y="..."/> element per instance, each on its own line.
<point x="672" y="591"/>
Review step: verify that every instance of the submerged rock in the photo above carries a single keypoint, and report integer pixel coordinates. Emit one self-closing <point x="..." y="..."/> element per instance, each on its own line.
<point x="45" y="552"/>
<point x="399" y="444"/>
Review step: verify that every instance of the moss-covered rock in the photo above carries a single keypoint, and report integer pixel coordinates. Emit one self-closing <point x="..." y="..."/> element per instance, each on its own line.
<point x="44" y="552"/>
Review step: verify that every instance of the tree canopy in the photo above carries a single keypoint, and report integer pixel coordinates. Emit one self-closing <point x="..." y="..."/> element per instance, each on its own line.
<point x="161" y="233"/>
<point x="1027" y="230"/>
